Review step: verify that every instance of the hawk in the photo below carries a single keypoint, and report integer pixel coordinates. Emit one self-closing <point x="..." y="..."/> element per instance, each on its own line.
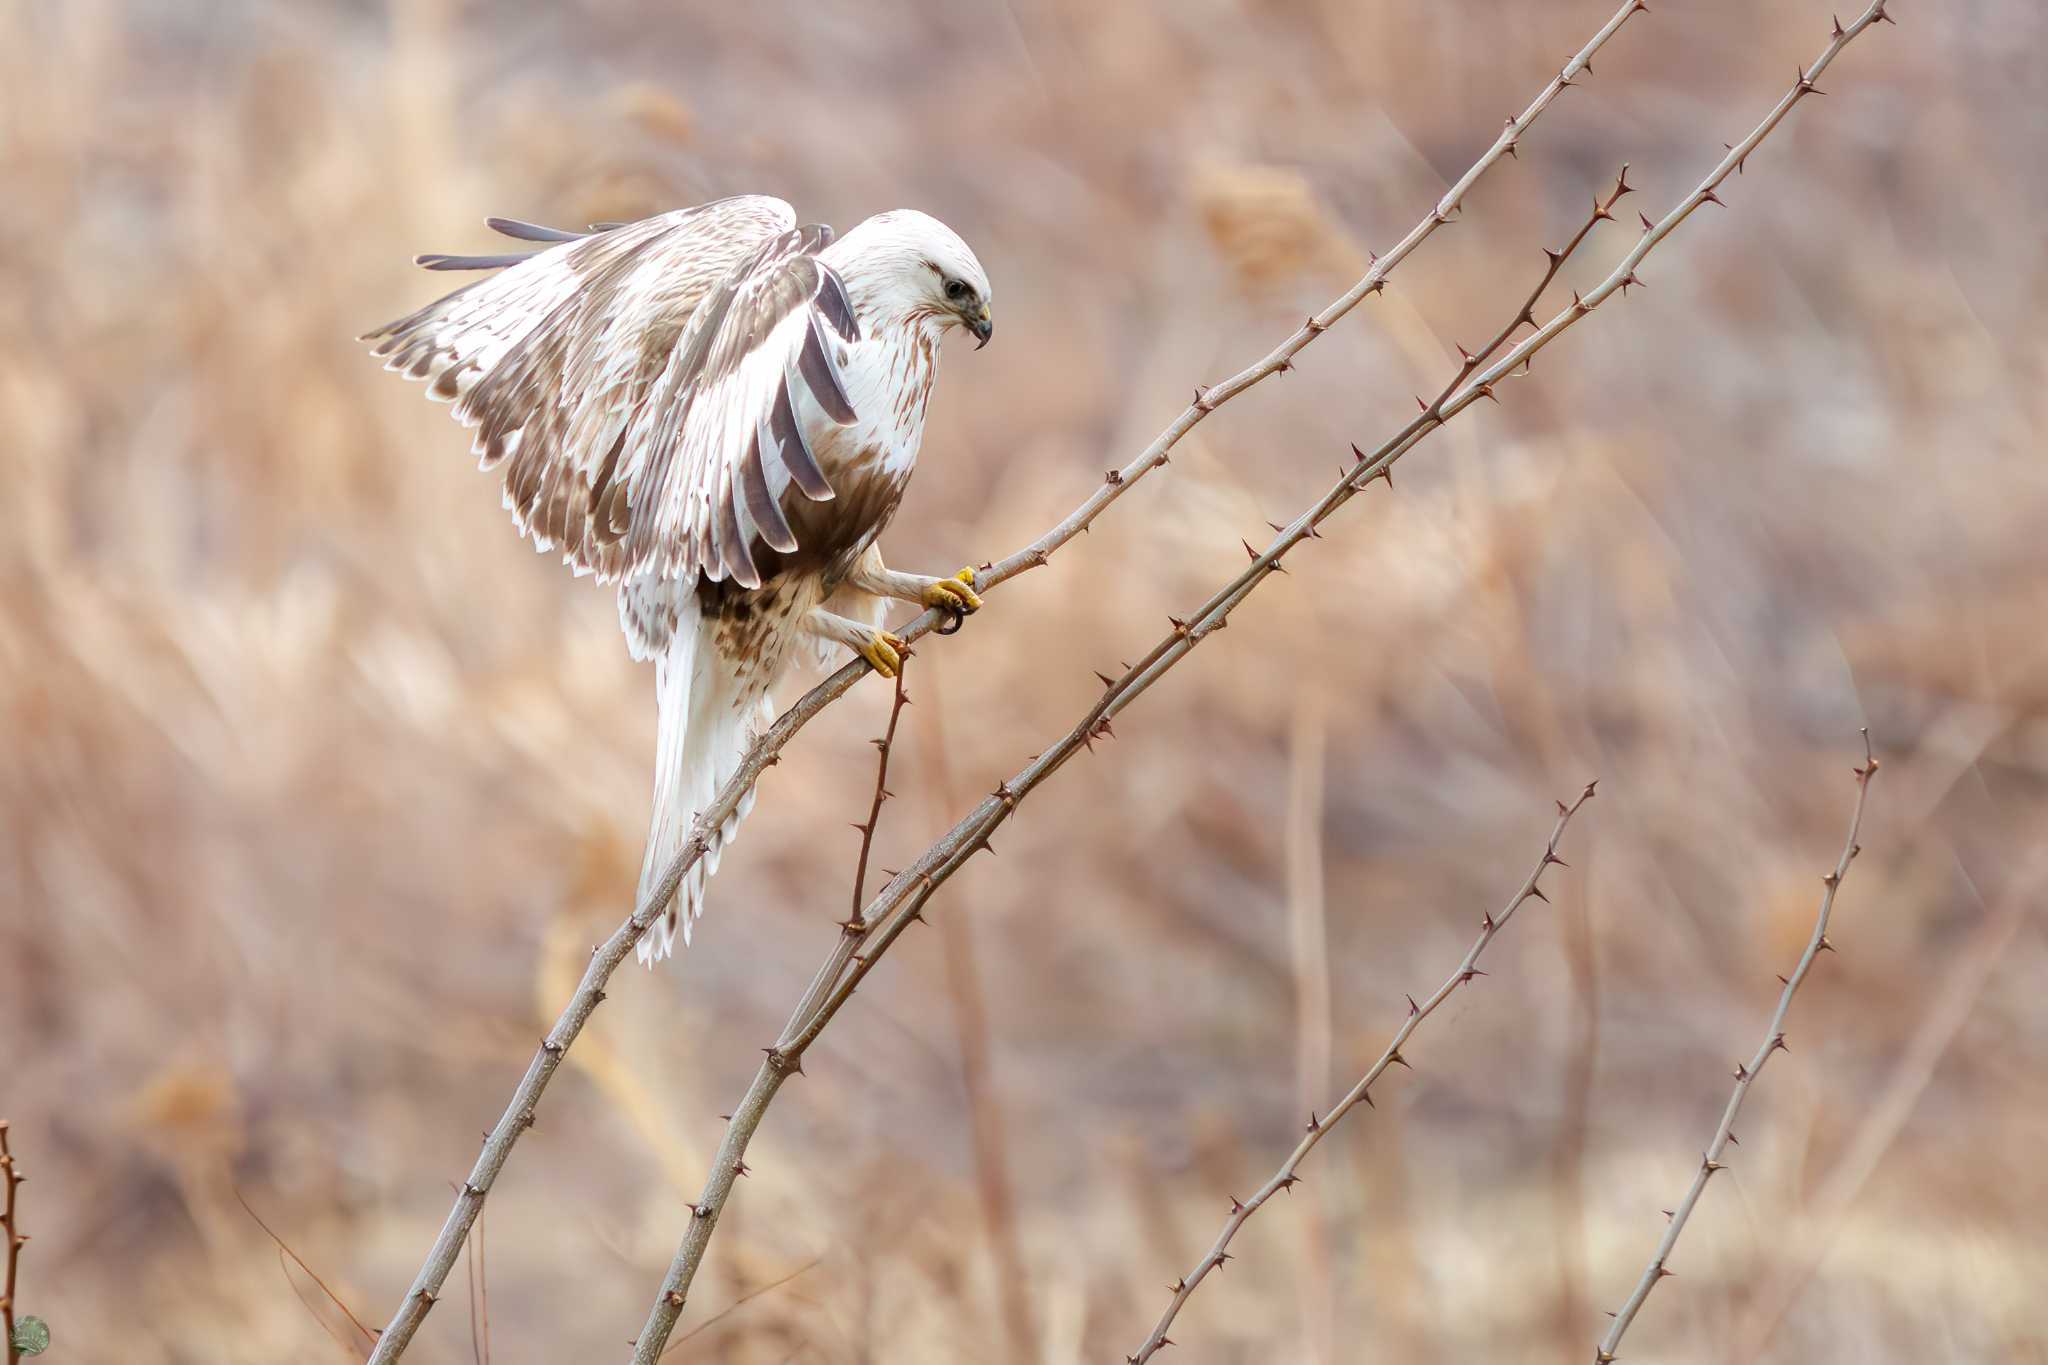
<point x="717" y="410"/>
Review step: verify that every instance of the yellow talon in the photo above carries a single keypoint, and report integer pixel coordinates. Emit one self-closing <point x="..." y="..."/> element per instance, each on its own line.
<point x="953" y="594"/>
<point x="884" y="653"/>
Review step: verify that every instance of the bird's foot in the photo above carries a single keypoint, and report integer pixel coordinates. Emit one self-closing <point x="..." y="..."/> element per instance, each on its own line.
<point x="955" y="596"/>
<point x="884" y="652"/>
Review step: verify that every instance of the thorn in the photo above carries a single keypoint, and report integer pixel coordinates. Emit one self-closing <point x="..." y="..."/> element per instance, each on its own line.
<point x="1881" y="17"/>
<point x="1825" y="945"/>
<point x="1314" y="326"/>
<point x="1556" y="257"/>
<point x="1466" y="356"/>
<point x="1741" y="1071"/>
<point x="1289" y="1183"/>
<point x="1107" y="681"/>
<point x="1201" y="399"/>
<point x="1357" y="452"/>
<point x="1577" y="302"/>
<point x="1552" y="860"/>
<point x="741" y="1168"/>
<point x="1779" y="1043"/>
<point x="1831" y="880"/>
<point x="1366" y="1095"/>
<point x="1709" y="1165"/>
<point x="1621" y="185"/>
<point x="1312" y="1123"/>
<point x="1413" y="1009"/>
<point x="1647" y="224"/>
<point x="1180" y="627"/>
<point x="1486" y="921"/>
<point x="1235" y="1206"/>
<point x="1734" y="1139"/>
<point x="1839" y="31"/>
<point x="1782" y="981"/>
<point x="1398" y="1060"/>
<point x="1537" y="893"/>
<point x="1668" y="1214"/>
<point x="1468" y="974"/>
<point x="1486" y="390"/>
<point x="1249" y="550"/>
<point x="1662" y="1273"/>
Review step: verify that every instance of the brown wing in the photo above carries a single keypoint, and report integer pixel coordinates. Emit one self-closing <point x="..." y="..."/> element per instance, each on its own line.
<point x="557" y="359"/>
<point x="723" y="438"/>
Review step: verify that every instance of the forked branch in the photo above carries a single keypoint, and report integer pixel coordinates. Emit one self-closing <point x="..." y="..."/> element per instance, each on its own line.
<point x="903" y="900"/>
<point x="1745" y="1074"/>
<point x="606" y="958"/>
<point x="1288" y="1176"/>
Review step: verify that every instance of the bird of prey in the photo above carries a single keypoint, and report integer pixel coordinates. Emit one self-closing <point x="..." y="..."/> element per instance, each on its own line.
<point x="717" y="410"/>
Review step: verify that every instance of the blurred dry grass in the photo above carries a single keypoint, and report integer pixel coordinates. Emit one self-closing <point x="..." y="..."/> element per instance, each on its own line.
<point x="317" y="786"/>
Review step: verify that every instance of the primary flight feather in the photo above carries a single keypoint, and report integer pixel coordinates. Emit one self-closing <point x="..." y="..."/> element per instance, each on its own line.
<point x="718" y="410"/>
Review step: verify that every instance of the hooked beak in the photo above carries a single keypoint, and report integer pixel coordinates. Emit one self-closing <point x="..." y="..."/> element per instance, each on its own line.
<point x="982" y="327"/>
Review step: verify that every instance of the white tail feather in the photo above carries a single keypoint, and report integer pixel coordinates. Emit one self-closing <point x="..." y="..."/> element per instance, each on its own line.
<point x="707" y="720"/>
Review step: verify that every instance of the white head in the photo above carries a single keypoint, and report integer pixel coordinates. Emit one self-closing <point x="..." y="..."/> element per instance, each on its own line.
<point x="908" y="267"/>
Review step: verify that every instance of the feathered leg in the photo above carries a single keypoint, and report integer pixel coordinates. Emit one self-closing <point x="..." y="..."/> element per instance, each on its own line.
<point x="955" y="594"/>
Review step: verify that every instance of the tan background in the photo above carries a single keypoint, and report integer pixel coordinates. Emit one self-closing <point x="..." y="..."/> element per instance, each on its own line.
<point x="317" y="785"/>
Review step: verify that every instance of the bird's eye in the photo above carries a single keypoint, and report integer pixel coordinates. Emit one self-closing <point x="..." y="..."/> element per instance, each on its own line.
<point x="956" y="290"/>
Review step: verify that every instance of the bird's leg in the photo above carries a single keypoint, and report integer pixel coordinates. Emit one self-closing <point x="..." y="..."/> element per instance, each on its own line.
<point x="883" y="651"/>
<point x="955" y="594"/>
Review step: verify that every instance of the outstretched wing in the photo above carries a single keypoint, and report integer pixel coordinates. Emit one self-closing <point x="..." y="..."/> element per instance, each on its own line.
<point x="581" y="364"/>
<point x="724" y="436"/>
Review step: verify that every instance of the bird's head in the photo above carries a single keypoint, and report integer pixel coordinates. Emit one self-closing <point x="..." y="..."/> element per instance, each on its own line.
<point x="908" y="266"/>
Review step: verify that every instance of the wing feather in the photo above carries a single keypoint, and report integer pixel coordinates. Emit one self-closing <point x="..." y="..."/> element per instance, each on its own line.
<point x="638" y="386"/>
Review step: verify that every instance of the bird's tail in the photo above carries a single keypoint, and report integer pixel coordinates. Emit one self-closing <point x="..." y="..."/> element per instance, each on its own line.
<point x="707" y="719"/>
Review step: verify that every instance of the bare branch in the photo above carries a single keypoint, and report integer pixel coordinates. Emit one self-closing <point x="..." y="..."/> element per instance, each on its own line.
<point x="605" y="959"/>
<point x="10" y="1176"/>
<point x="883" y="747"/>
<point x="1747" y="1072"/>
<point x="902" y="901"/>
<point x="1289" y="1173"/>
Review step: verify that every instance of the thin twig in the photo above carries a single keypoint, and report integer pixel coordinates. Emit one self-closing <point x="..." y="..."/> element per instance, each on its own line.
<point x="883" y="747"/>
<point x="11" y="1177"/>
<point x="1287" y="1177"/>
<point x="741" y="1302"/>
<point x="1746" y="1072"/>
<point x="284" y="1249"/>
<point x="902" y="901"/>
<point x="605" y="959"/>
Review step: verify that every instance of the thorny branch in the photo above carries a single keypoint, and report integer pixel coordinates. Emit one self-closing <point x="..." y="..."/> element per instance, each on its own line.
<point x="1287" y="1177"/>
<point x="12" y="1178"/>
<point x="901" y="902"/>
<point x="1746" y="1073"/>
<point x="605" y="959"/>
<point x="883" y="748"/>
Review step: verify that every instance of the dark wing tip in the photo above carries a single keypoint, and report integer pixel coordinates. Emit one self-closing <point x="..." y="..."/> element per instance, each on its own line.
<point x="530" y="232"/>
<point x="436" y="260"/>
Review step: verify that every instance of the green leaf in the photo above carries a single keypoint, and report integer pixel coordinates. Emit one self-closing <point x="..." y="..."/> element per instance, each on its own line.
<point x="31" y="1337"/>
